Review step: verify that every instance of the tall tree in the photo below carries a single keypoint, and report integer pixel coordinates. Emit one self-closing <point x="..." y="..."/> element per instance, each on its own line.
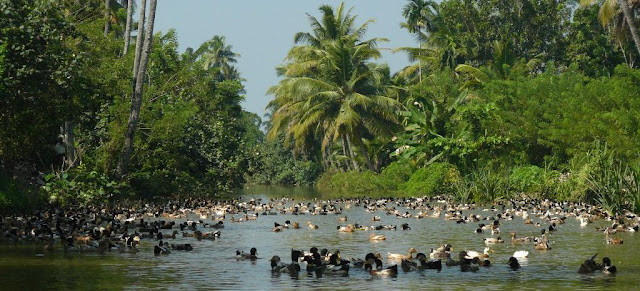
<point x="332" y="92"/>
<point x="127" y="30"/>
<point x="217" y="56"/>
<point x="136" y="98"/>
<point x="416" y="14"/>
<point x="608" y="10"/>
<point x="107" y="16"/>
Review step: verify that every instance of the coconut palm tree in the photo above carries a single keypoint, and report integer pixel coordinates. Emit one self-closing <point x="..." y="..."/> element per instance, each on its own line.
<point x="419" y="15"/>
<point x="217" y="56"/>
<point x="332" y="92"/>
<point x="608" y="11"/>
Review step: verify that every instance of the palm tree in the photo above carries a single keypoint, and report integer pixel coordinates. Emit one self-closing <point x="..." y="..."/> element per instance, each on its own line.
<point x="136" y="97"/>
<point x="419" y="16"/>
<point x="608" y="10"/>
<point x="217" y="56"/>
<point x="331" y="92"/>
<point x="127" y="30"/>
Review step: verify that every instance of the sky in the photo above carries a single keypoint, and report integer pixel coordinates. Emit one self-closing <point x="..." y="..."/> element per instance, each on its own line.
<point x="262" y="31"/>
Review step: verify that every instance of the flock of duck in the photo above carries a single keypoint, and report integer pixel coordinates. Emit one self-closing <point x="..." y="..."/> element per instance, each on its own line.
<point x="123" y="229"/>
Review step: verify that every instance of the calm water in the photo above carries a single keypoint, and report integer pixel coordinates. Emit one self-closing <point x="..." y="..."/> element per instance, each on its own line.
<point x="212" y="264"/>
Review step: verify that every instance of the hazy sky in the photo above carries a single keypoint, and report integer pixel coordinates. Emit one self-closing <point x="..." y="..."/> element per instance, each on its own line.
<point x="262" y="31"/>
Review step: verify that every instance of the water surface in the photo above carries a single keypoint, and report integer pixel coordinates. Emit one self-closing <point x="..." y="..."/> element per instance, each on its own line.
<point x="212" y="264"/>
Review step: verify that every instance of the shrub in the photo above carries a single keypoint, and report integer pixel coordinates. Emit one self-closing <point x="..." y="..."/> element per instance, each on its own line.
<point x="437" y="178"/>
<point x="398" y="172"/>
<point x="528" y="179"/>
<point x="80" y="186"/>
<point x="15" y="197"/>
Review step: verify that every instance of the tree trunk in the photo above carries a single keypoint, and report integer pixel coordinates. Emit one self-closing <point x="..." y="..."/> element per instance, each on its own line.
<point x="136" y="99"/>
<point x="139" y="38"/>
<point x="352" y="155"/>
<point x="367" y="159"/>
<point x="628" y="15"/>
<point x="107" y="16"/>
<point x="127" y="29"/>
<point x="344" y="150"/>
<point x="69" y="143"/>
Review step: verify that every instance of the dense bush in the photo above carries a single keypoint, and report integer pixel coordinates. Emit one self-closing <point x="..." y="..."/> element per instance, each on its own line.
<point x="273" y="163"/>
<point x="528" y="179"/>
<point x="364" y="182"/>
<point x="80" y="186"/>
<point x="437" y="178"/>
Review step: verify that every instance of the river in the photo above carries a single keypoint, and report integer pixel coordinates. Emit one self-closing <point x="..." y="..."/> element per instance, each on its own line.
<point x="212" y="264"/>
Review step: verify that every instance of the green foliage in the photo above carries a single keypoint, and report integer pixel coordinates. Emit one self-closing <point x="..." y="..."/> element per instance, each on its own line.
<point x="364" y="182"/>
<point x="81" y="187"/>
<point x="398" y="172"/>
<point x="40" y="78"/>
<point x="435" y="179"/>
<point x="14" y="197"/>
<point x="273" y="163"/>
<point x="528" y="179"/>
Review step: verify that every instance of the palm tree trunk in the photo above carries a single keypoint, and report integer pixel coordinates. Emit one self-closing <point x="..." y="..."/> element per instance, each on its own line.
<point x="344" y="151"/>
<point x="107" y="16"/>
<point x="69" y="143"/>
<point x="127" y="30"/>
<point x="136" y="99"/>
<point x="352" y="155"/>
<point x="139" y="38"/>
<point x="630" y="22"/>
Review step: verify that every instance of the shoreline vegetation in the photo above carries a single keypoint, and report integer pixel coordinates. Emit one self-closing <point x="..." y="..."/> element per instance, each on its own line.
<point x="537" y="100"/>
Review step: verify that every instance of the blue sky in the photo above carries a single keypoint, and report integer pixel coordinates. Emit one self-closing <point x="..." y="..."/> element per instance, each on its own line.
<point x="262" y="32"/>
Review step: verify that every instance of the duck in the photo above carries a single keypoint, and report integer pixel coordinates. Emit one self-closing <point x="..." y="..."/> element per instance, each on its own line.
<point x="492" y="240"/>
<point x="160" y="249"/>
<point x="348" y="228"/>
<point x="386" y="227"/>
<point x="343" y="218"/>
<point x="391" y="271"/>
<point x="375" y="218"/>
<point x="607" y="268"/>
<point x="612" y="241"/>
<point x="589" y="265"/>
<point x="374" y="237"/>
<point x="206" y="235"/>
<point x="218" y="225"/>
<point x="513" y="263"/>
<point x="495" y="230"/>
<point x="182" y="247"/>
<point x="336" y="265"/>
<point x="518" y="240"/>
<point x="583" y="221"/>
<point x="278" y="266"/>
<point x="542" y="246"/>
<point x="311" y="225"/>
<point x="468" y="268"/>
<point x="252" y="255"/>
<point x="401" y="256"/>
<point x="277" y="227"/>
<point x="295" y="225"/>
<point x="475" y="254"/>
<point x="442" y="252"/>
<point x="408" y="266"/>
<point x="122" y="248"/>
<point x="405" y="226"/>
<point x="521" y="254"/>
<point x="166" y="236"/>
